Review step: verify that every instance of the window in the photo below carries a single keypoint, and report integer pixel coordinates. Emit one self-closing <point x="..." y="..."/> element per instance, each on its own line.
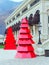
<point x="13" y="18"/>
<point x="10" y="21"/>
<point x="24" y="10"/>
<point x="48" y="19"/>
<point x="7" y="23"/>
<point x="33" y="3"/>
<point x="18" y="14"/>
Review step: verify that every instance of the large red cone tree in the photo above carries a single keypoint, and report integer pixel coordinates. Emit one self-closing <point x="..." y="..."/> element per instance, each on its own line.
<point x="25" y="49"/>
<point x="10" y="43"/>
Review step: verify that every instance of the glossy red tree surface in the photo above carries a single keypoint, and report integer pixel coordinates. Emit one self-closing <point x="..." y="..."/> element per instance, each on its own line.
<point x="25" y="48"/>
<point x="10" y="43"/>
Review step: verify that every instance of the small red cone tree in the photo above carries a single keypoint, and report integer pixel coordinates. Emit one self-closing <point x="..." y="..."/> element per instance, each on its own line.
<point x="25" y="49"/>
<point x="10" y="43"/>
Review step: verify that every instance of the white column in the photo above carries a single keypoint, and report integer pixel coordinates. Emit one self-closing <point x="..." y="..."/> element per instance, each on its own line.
<point x="43" y="20"/>
<point x="11" y="20"/>
<point x="20" y="12"/>
<point x="28" y="6"/>
<point x="15" y="35"/>
<point x="33" y="30"/>
<point x="15" y="16"/>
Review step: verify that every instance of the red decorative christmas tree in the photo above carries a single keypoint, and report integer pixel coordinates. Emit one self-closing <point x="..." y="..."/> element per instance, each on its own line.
<point x="25" y="49"/>
<point x="10" y="43"/>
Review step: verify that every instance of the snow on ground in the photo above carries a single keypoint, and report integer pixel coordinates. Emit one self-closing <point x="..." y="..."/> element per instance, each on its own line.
<point x="7" y="58"/>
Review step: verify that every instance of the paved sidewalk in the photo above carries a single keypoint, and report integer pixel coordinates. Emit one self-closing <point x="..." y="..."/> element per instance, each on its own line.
<point x="7" y="58"/>
<point x="7" y="54"/>
<point x="34" y="61"/>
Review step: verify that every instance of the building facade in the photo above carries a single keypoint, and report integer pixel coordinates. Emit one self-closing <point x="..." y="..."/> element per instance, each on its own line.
<point x="26" y="8"/>
<point x="1" y="39"/>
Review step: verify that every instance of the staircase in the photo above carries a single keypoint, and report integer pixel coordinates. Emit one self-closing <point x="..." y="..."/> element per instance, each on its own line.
<point x="45" y="45"/>
<point x="40" y="49"/>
